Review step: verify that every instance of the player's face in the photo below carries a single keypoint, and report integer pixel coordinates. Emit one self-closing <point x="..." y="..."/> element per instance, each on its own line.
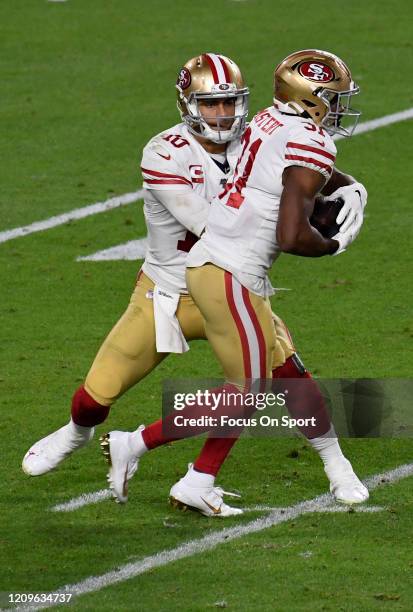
<point x="336" y="108"/>
<point x="334" y="104"/>
<point x="216" y="111"/>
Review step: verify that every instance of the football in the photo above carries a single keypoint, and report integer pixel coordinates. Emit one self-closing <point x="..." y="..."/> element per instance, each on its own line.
<point x="324" y="216"/>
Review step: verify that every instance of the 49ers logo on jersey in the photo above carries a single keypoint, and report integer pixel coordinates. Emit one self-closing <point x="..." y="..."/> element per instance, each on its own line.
<point x="184" y="78"/>
<point x="316" y="71"/>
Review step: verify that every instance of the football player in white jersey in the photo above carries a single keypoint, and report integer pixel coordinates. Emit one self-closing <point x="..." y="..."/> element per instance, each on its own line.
<point x="239" y="287"/>
<point x="287" y="159"/>
<point x="183" y="168"/>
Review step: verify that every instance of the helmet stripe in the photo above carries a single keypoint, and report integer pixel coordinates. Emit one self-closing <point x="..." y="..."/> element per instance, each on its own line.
<point x="225" y="67"/>
<point x="213" y="68"/>
<point x="219" y="68"/>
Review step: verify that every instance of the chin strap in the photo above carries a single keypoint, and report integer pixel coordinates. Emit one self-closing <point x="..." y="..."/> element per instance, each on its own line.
<point x="205" y="131"/>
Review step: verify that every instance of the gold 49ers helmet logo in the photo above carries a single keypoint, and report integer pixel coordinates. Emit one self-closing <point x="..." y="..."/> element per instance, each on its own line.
<point x="316" y="71"/>
<point x="184" y="78"/>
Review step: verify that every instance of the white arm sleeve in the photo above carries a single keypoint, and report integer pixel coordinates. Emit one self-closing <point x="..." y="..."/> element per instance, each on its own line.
<point x="189" y="208"/>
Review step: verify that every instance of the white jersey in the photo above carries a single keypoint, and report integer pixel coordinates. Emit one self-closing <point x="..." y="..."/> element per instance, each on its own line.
<point x="174" y="161"/>
<point x="241" y="230"/>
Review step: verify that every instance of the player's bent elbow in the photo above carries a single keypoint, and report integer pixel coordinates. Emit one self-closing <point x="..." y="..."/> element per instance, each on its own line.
<point x="287" y="246"/>
<point x="287" y="240"/>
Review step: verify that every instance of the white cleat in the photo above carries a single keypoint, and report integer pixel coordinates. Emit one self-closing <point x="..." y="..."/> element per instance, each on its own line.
<point x="344" y="484"/>
<point x="117" y="447"/>
<point x="206" y="500"/>
<point x="47" y="453"/>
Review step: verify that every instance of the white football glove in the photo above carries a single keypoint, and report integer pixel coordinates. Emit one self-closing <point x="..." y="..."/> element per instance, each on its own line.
<point x="350" y="217"/>
<point x="344" y="239"/>
<point x="355" y="200"/>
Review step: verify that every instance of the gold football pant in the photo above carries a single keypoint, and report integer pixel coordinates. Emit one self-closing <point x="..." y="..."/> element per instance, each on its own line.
<point x="239" y="324"/>
<point x="129" y="353"/>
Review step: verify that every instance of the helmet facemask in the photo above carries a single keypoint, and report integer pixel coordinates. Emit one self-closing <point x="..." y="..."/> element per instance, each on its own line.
<point x="340" y="118"/>
<point x="199" y="126"/>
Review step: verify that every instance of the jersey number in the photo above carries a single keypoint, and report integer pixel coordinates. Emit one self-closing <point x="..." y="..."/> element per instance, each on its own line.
<point x="240" y="180"/>
<point x="314" y="128"/>
<point x="176" y="140"/>
<point x="187" y="244"/>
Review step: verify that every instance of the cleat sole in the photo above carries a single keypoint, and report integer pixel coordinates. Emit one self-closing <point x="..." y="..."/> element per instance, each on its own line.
<point x="178" y="505"/>
<point x="105" y="447"/>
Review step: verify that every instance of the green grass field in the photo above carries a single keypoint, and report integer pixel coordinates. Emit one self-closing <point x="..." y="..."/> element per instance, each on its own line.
<point x="85" y="84"/>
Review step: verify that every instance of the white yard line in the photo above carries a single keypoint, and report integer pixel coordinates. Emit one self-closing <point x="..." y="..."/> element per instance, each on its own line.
<point x="77" y="213"/>
<point x="342" y="508"/>
<point x="128" y="198"/>
<point x="214" y="539"/>
<point x="374" y="124"/>
<point x="83" y="500"/>
<point x="331" y="509"/>
<point x="86" y="499"/>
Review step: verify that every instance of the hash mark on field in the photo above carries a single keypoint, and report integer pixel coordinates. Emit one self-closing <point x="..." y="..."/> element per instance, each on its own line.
<point x="214" y="539"/>
<point x="128" y="198"/>
<point x="129" y="251"/>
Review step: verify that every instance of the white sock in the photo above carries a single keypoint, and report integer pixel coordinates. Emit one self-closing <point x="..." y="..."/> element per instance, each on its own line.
<point x="79" y="431"/>
<point x="193" y="478"/>
<point x="328" y="447"/>
<point x="137" y="444"/>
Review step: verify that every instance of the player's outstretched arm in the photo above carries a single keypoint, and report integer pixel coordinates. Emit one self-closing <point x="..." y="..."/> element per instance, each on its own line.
<point x="188" y="207"/>
<point x="295" y="235"/>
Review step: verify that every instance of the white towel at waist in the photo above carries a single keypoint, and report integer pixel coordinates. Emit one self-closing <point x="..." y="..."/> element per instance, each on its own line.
<point x="169" y="336"/>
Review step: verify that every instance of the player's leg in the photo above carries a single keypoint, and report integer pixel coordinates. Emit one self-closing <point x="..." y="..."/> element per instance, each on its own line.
<point x="190" y="319"/>
<point x="125" y="357"/>
<point x="304" y="398"/>
<point x="124" y="449"/>
<point x="242" y="336"/>
<point x="239" y="328"/>
<point x="306" y="401"/>
<point x="215" y="450"/>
